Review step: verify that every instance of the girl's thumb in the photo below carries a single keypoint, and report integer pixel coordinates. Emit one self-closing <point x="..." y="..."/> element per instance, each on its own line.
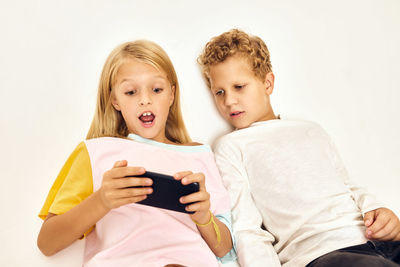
<point x="120" y="163"/>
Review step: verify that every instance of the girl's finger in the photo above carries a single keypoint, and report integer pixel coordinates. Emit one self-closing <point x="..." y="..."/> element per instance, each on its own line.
<point x="131" y="182"/>
<point x="129" y="171"/>
<point x="195" y="178"/>
<point x="120" y="163"/>
<point x="116" y="194"/>
<point x="195" y="197"/>
<point x="198" y="206"/>
<point x="129" y="200"/>
<point x="134" y="192"/>
<point x="180" y="175"/>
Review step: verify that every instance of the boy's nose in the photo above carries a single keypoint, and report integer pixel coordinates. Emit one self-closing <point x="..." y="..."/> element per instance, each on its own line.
<point x="230" y="100"/>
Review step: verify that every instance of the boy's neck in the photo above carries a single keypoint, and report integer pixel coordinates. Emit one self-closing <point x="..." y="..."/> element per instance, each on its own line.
<point x="270" y="116"/>
<point x="267" y="118"/>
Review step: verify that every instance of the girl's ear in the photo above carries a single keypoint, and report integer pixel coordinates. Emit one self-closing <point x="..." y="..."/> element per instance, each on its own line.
<point x="269" y="83"/>
<point x="172" y="97"/>
<point x="114" y="102"/>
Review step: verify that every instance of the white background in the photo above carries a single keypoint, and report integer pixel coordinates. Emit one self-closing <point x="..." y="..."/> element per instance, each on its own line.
<point x="335" y="62"/>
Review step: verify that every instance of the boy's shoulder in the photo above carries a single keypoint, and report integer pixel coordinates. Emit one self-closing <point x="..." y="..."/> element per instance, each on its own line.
<point x="270" y="125"/>
<point x="259" y="129"/>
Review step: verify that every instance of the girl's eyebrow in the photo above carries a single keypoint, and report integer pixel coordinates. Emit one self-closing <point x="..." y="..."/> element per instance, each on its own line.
<point x="125" y="80"/>
<point x="158" y="77"/>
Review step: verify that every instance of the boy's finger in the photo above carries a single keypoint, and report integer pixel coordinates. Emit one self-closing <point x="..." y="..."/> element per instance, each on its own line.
<point x="369" y="218"/>
<point x="378" y="224"/>
<point x="391" y="236"/>
<point x="386" y="232"/>
<point x="397" y="238"/>
<point x="394" y="232"/>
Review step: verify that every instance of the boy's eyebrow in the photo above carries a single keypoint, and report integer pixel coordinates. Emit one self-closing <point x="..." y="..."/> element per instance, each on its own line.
<point x="213" y="88"/>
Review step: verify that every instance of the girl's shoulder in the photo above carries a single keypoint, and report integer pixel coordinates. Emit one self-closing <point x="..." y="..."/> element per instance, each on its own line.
<point x="105" y="139"/>
<point x="131" y="140"/>
<point x="191" y="147"/>
<point x="194" y="144"/>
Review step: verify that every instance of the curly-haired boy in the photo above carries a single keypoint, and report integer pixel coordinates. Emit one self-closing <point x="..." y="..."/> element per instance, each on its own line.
<point x="286" y="175"/>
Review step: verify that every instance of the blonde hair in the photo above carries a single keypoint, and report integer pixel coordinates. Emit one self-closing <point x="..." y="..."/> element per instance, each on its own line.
<point x="236" y="42"/>
<point x="107" y="120"/>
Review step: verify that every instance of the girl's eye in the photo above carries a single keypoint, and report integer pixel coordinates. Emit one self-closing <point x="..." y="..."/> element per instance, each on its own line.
<point x="157" y="90"/>
<point x="130" y="92"/>
<point x="219" y="92"/>
<point x="239" y="86"/>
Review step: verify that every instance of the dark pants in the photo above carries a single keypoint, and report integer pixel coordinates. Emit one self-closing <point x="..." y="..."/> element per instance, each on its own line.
<point x="370" y="254"/>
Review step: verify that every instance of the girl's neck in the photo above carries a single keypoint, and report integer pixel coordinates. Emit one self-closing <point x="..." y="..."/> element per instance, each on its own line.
<point x="159" y="139"/>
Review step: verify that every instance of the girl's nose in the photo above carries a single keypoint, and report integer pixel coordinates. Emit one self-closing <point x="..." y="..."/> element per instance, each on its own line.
<point x="145" y="99"/>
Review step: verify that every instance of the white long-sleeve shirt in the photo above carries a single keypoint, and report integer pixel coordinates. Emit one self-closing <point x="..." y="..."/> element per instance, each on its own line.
<point x="287" y="175"/>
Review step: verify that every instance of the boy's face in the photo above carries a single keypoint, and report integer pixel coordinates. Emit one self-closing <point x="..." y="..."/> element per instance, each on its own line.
<point x="240" y="96"/>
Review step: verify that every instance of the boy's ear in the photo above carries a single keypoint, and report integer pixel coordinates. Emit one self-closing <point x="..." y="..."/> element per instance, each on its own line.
<point x="114" y="102"/>
<point x="269" y="82"/>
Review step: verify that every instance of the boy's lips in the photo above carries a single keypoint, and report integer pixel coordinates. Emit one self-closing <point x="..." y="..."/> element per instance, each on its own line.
<point x="236" y="114"/>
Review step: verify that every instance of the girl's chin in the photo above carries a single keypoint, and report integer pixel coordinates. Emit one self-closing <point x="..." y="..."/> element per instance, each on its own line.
<point x="147" y="125"/>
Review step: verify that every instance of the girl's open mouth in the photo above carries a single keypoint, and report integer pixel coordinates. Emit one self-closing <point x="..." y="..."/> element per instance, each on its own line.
<point x="147" y="119"/>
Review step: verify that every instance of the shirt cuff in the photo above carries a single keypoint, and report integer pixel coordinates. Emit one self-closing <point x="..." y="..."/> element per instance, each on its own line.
<point x="231" y="255"/>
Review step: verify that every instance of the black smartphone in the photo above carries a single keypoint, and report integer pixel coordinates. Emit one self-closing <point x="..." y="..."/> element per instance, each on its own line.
<point x="167" y="191"/>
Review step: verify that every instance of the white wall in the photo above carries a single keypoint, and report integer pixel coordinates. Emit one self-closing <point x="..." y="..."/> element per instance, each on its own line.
<point x="336" y="62"/>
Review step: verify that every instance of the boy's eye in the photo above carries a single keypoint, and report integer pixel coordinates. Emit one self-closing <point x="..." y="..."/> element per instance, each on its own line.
<point x="239" y="86"/>
<point x="219" y="92"/>
<point x="130" y="92"/>
<point x="157" y="90"/>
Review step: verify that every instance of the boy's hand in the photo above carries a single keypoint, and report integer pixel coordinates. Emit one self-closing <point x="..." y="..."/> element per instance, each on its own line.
<point x="114" y="191"/>
<point x="382" y="224"/>
<point x="202" y="198"/>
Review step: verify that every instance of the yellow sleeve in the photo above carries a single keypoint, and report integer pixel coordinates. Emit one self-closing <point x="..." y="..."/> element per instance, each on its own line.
<point x="74" y="183"/>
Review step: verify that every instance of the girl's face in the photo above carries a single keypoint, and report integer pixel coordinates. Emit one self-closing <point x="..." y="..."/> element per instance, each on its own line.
<point x="143" y="94"/>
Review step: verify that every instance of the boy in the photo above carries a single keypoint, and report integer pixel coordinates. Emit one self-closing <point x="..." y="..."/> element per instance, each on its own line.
<point x="286" y="174"/>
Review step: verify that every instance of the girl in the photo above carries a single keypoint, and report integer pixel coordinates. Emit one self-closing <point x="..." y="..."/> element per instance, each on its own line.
<point x="137" y="120"/>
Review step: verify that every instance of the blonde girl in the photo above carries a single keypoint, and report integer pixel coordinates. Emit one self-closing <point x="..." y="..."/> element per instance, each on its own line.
<point x="137" y="126"/>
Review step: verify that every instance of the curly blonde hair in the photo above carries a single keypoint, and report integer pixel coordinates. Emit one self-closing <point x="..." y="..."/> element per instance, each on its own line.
<point x="232" y="43"/>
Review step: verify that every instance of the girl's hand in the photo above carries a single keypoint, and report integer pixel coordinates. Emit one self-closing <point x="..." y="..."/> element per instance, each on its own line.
<point x="115" y="191"/>
<point x="382" y="224"/>
<point x="202" y="198"/>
